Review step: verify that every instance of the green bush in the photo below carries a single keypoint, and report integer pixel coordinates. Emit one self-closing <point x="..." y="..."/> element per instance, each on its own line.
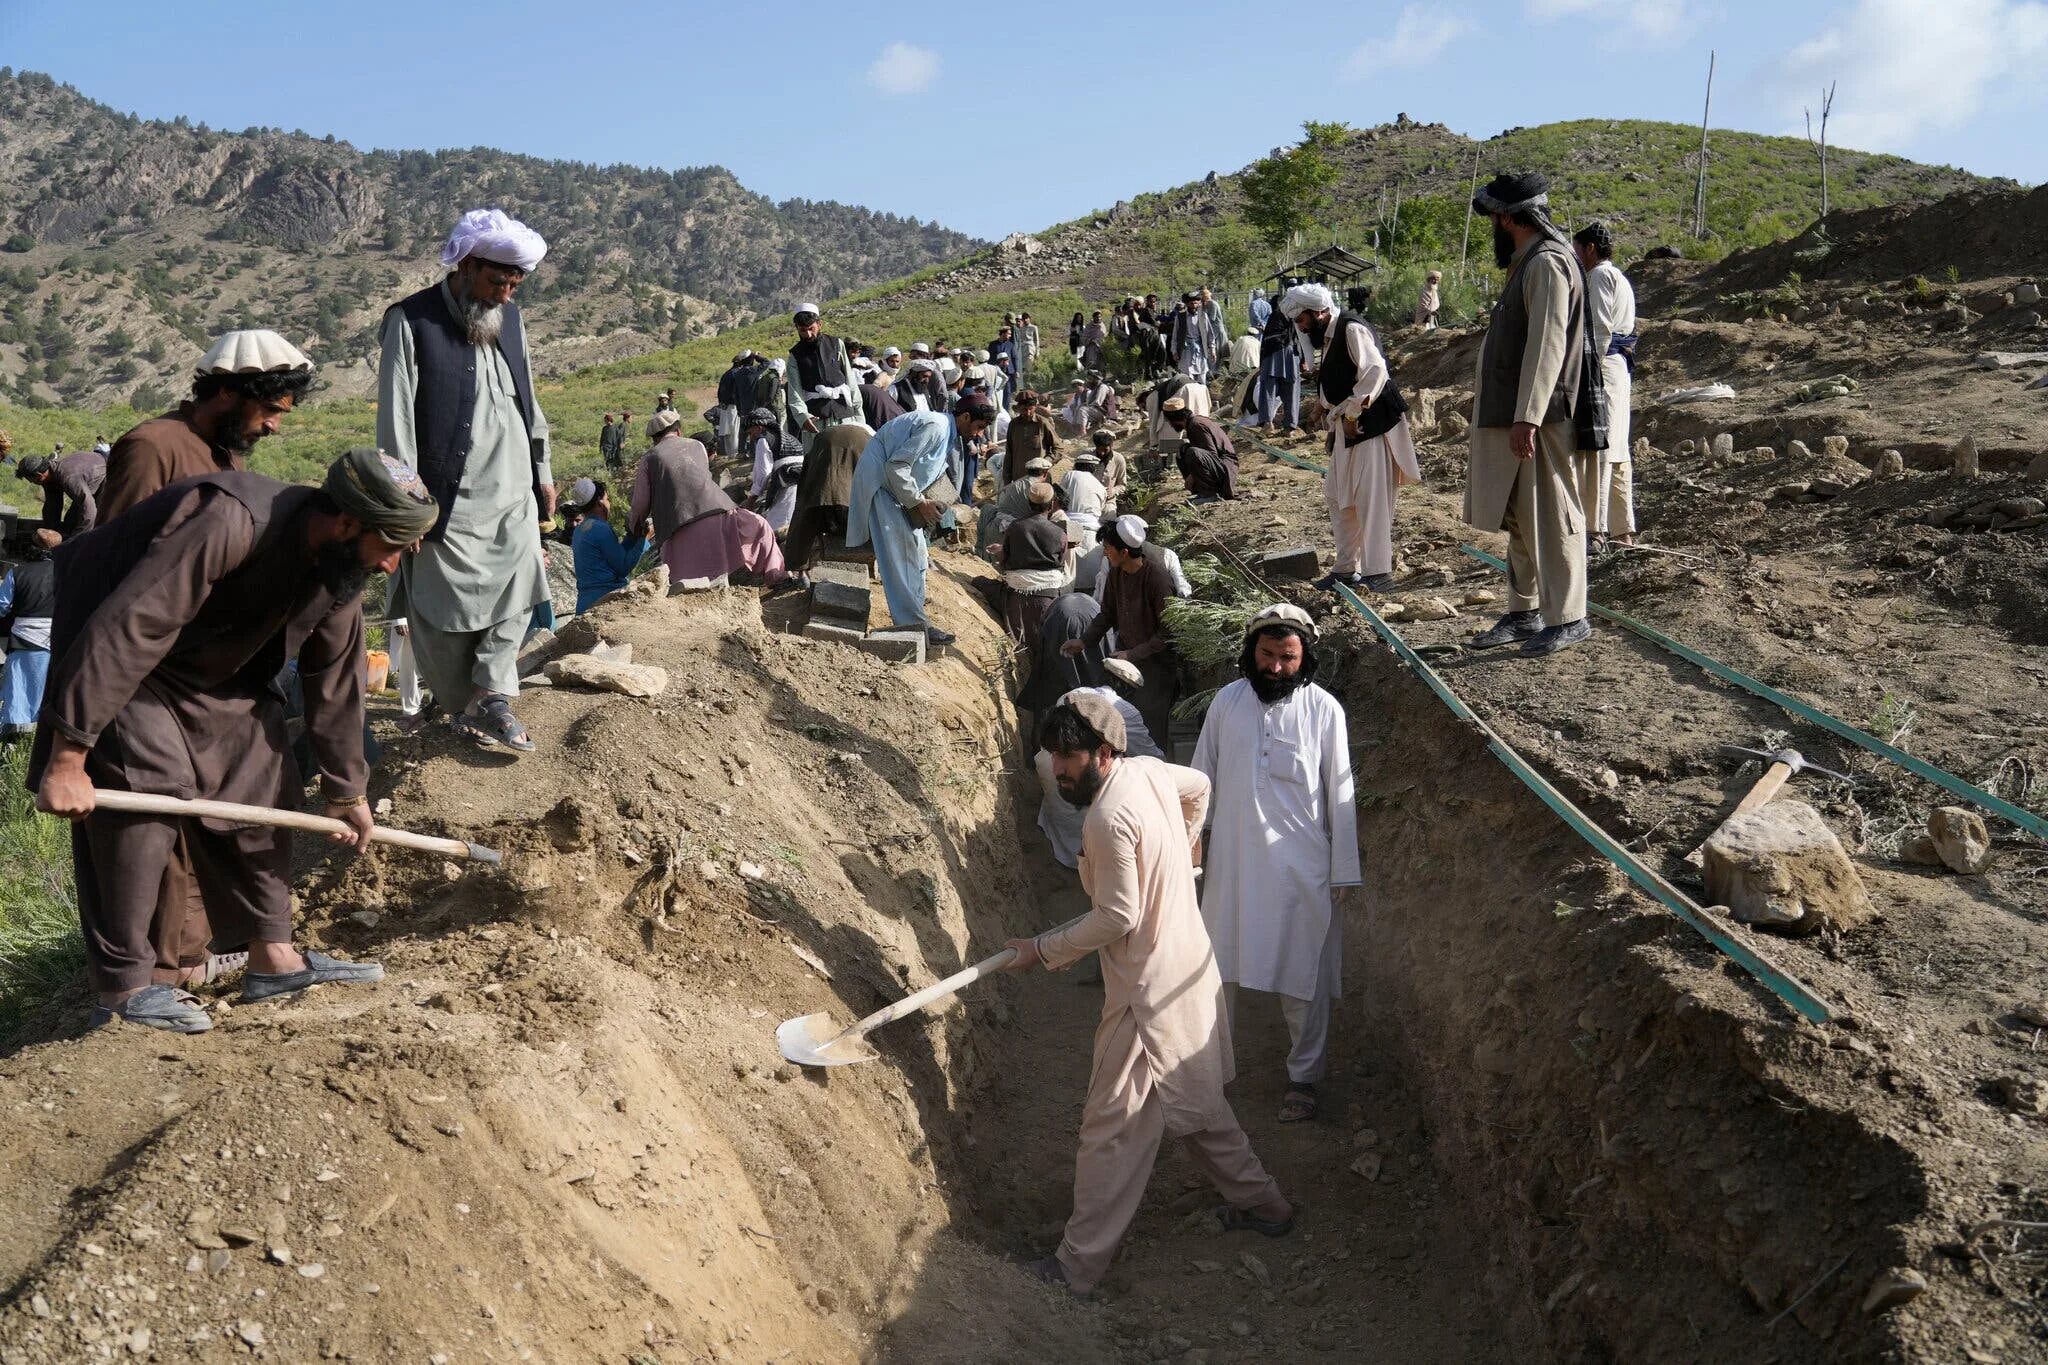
<point x="40" y="949"/>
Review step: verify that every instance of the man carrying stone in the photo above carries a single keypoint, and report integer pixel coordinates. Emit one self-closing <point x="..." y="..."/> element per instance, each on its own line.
<point x="1136" y="588"/>
<point x="455" y="400"/>
<point x="1359" y="404"/>
<point x="71" y="485"/>
<point x="1208" y="457"/>
<point x="899" y="495"/>
<point x="1525" y="473"/>
<point x="1611" y="503"/>
<point x="166" y="634"/>
<point x="1162" y="1051"/>
<point x="823" y="387"/>
<point x="1283" y="831"/>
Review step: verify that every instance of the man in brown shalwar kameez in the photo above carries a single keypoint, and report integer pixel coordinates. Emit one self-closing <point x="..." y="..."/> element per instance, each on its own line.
<point x="170" y="624"/>
<point x="1162" y="1051"/>
<point x="241" y="390"/>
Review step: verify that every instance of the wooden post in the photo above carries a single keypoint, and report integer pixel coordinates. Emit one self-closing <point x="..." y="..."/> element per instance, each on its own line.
<point x="1820" y="147"/>
<point x="1699" y="194"/>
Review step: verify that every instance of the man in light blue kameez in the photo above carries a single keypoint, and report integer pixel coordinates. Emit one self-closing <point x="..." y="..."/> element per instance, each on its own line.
<point x="894" y="504"/>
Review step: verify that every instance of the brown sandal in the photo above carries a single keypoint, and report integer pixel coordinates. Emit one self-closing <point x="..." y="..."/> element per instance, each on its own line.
<point x="1299" y="1104"/>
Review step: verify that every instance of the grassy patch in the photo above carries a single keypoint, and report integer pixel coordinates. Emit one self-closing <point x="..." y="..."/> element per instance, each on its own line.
<point x="40" y="949"/>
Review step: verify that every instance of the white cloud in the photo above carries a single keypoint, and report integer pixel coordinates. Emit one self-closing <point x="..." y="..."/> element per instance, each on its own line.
<point x="1656" y="22"/>
<point x="904" y="69"/>
<point x="1907" y="67"/>
<point x="1420" y="36"/>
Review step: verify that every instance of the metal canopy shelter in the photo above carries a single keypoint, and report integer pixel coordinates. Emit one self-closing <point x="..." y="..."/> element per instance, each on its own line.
<point x="1332" y="265"/>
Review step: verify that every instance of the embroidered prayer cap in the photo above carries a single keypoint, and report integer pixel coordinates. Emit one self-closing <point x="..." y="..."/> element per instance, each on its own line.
<point x="1307" y="298"/>
<point x="1126" y="532"/>
<point x="1284" y="614"/>
<point x="1102" y="717"/>
<point x="807" y="310"/>
<point x="981" y="357"/>
<point x="1041" y="495"/>
<point x="1511" y="193"/>
<point x="668" y="419"/>
<point x="1177" y="403"/>
<point x="382" y="492"/>
<point x="762" y="417"/>
<point x="491" y="235"/>
<point x="254" y="350"/>
<point x="1037" y="464"/>
<point x="1124" y="671"/>
<point x="920" y="348"/>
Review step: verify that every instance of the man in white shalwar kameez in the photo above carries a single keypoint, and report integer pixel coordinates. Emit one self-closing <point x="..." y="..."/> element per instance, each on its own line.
<point x="1162" y="1051"/>
<point x="1611" y="503"/>
<point x="1283" y="834"/>
<point x="1371" y="451"/>
<point x="455" y="400"/>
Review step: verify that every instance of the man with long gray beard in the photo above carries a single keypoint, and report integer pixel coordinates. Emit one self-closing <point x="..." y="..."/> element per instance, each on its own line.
<point x="1526" y="475"/>
<point x="456" y="401"/>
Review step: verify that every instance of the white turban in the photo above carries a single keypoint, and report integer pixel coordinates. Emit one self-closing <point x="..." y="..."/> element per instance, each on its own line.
<point x="1307" y="298"/>
<point x="490" y="235"/>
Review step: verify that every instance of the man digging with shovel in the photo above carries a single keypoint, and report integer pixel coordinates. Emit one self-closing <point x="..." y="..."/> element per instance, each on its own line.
<point x="170" y="622"/>
<point x="1162" y="1051"/>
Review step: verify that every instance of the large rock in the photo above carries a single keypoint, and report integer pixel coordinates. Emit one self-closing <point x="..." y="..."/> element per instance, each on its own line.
<point x="1963" y="457"/>
<point x="1890" y="465"/>
<point x="1782" y="868"/>
<point x="1960" y="838"/>
<point x="634" y="680"/>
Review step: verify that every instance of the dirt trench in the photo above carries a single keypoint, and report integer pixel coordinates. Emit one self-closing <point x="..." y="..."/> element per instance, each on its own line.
<point x="561" y="1130"/>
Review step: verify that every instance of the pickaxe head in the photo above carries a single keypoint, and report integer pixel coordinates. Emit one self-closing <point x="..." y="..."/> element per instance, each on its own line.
<point x="1791" y="758"/>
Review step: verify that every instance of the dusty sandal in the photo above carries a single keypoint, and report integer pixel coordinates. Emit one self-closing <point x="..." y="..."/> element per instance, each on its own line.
<point x="158" y="1007"/>
<point x="319" y="970"/>
<point x="494" y="727"/>
<point x="1299" y="1104"/>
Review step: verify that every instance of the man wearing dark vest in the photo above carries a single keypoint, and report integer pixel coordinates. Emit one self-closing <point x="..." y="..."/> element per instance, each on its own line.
<point x="169" y="624"/>
<point x="1208" y="457"/>
<point x="455" y="400"/>
<point x="1359" y="406"/>
<point x="823" y="389"/>
<point x="1525" y="473"/>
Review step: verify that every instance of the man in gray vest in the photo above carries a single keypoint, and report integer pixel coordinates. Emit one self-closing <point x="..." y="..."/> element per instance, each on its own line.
<point x="455" y="401"/>
<point x="1526" y="475"/>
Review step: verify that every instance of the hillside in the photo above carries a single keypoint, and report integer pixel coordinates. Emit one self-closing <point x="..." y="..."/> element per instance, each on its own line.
<point x="128" y="243"/>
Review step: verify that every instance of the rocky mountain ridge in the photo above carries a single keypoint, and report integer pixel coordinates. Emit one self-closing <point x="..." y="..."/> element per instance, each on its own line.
<point x="129" y="242"/>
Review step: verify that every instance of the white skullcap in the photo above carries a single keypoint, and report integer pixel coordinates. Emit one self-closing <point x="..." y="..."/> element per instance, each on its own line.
<point x="810" y="308"/>
<point x="920" y="348"/>
<point x="1132" y="530"/>
<point x="1284" y="614"/>
<point x="489" y="235"/>
<point x="781" y="364"/>
<point x="253" y="351"/>
<point x="1307" y="298"/>
<point x="1124" y="671"/>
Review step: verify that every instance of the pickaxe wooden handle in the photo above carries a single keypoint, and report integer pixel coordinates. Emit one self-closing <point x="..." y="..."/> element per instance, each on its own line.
<point x="1757" y="797"/>
<point x="145" y="803"/>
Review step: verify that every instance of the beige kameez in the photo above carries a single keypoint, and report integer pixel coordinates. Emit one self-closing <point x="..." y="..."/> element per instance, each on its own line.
<point x="1162" y="1051"/>
<point x="1539" y="502"/>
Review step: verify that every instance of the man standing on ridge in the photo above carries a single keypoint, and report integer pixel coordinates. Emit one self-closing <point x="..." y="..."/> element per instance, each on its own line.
<point x="455" y="400"/>
<point x="1611" y="502"/>
<point x="1371" y="453"/>
<point x="823" y="387"/>
<point x="1525" y="473"/>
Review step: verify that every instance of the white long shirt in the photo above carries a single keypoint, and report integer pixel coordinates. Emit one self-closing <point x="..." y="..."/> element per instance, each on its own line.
<point x="1614" y="303"/>
<point x="1283" y="833"/>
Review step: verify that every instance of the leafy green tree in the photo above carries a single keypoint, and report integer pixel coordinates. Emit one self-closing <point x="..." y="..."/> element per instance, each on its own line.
<point x="1168" y="244"/>
<point x="1288" y="194"/>
<point x="1231" y="249"/>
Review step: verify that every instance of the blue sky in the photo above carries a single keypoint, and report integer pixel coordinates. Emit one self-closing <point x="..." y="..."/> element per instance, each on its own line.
<point x="1047" y="107"/>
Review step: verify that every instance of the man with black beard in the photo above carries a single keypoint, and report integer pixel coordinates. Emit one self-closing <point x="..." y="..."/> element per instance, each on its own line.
<point x="455" y="400"/>
<point x="1283" y="833"/>
<point x="244" y="386"/>
<point x="823" y="385"/>
<point x="169" y="624"/>
<point x="1526" y="474"/>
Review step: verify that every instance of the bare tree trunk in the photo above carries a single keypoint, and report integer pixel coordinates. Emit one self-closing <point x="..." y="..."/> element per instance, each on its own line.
<point x="1820" y="144"/>
<point x="1699" y="194"/>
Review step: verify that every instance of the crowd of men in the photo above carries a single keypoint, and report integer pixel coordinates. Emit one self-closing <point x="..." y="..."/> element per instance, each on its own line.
<point x="168" y="600"/>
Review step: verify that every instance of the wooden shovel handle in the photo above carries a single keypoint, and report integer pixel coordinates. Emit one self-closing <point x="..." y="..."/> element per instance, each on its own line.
<point x="146" y="803"/>
<point x="939" y="990"/>
<point x="1766" y="787"/>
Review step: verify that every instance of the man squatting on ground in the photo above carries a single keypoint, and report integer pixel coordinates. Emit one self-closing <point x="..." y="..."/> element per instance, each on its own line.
<point x="1162" y="1051"/>
<point x="170" y="623"/>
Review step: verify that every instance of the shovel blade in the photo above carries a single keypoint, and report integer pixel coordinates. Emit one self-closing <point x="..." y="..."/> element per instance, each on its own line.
<point x="820" y="1040"/>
